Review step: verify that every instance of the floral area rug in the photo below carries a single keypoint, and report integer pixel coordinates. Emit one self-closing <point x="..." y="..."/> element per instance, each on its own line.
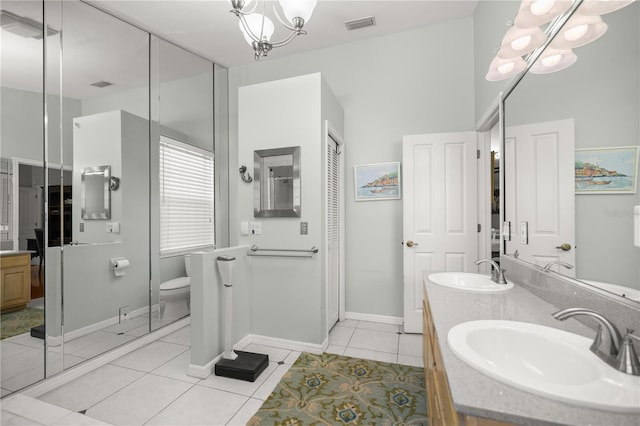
<point x="331" y="389"/>
<point x="19" y="322"/>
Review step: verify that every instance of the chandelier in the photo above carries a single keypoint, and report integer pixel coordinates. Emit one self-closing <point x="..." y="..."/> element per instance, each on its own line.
<point x="257" y="28"/>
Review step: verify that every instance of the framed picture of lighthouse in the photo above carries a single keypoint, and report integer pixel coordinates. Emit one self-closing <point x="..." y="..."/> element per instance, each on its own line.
<point x="607" y="170"/>
<point x="379" y="181"/>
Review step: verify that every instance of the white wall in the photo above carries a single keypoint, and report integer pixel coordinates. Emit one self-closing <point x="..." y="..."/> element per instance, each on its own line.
<point x="288" y="294"/>
<point x="406" y="83"/>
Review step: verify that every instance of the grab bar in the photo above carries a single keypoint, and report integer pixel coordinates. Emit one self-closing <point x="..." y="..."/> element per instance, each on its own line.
<point x="256" y="251"/>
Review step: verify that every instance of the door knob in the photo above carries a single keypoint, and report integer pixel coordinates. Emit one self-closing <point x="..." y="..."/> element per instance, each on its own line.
<point x="564" y="247"/>
<point x="411" y="243"/>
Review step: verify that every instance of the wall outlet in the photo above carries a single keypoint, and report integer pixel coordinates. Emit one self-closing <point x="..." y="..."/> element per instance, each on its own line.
<point x="255" y="228"/>
<point x="123" y="314"/>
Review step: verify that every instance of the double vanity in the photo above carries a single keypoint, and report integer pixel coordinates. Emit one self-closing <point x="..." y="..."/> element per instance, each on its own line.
<point x="494" y="354"/>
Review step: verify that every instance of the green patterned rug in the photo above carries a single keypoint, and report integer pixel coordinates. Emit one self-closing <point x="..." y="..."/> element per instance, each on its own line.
<point x="337" y="390"/>
<point x="19" y="322"/>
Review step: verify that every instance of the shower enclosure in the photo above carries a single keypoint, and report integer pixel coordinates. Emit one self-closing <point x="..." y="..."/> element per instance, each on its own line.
<point x="85" y="99"/>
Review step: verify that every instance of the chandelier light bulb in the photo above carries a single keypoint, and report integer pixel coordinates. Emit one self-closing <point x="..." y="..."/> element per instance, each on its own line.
<point x="540" y="7"/>
<point x="553" y="60"/>
<point x="501" y="69"/>
<point x="261" y="26"/>
<point x="519" y="42"/>
<point x="600" y="7"/>
<point x="298" y="9"/>
<point x="578" y="31"/>
<point x="506" y="68"/>
<point x="534" y="13"/>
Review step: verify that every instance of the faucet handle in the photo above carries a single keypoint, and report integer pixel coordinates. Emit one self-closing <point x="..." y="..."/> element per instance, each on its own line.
<point x="627" y="360"/>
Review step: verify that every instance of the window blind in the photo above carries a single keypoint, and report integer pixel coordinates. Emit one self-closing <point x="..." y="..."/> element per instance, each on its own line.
<point x="186" y="197"/>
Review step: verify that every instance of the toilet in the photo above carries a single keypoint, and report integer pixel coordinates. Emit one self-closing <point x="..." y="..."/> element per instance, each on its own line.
<point x="175" y="295"/>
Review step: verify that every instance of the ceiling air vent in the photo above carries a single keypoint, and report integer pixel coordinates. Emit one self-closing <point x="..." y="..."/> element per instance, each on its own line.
<point x="101" y="83"/>
<point x="360" y="23"/>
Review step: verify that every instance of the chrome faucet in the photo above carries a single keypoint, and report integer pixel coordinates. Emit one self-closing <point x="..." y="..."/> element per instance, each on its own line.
<point x="548" y="266"/>
<point x="608" y="344"/>
<point x="497" y="274"/>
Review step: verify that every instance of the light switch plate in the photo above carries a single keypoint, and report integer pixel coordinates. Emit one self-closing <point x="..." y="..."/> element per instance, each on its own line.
<point x="304" y="228"/>
<point x="524" y="232"/>
<point x="255" y="228"/>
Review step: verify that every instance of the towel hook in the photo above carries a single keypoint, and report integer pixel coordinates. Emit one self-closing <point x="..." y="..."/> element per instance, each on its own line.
<point x="245" y="178"/>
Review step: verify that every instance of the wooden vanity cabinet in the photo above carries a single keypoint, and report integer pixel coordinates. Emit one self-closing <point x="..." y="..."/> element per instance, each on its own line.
<point x="440" y="408"/>
<point x="16" y="281"/>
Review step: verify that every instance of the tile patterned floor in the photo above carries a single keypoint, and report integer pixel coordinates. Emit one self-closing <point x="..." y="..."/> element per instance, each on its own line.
<point x="150" y="386"/>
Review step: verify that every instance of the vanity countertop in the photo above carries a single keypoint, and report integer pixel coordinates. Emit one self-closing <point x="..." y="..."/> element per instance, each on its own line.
<point x="7" y="253"/>
<point x="479" y="395"/>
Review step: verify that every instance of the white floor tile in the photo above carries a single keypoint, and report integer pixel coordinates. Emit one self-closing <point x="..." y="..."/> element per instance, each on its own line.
<point x="9" y="419"/>
<point x="340" y="335"/>
<point x="176" y="368"/>
<point x="10" y="348"/>
<point x="127" y="325"/>
<point x="150" y="356"/>
<point x="25" y="339"/>
<point x="5" y="392"/>
<point x="77" y="419"/>
<point x="372" y="355"/>
<point x="248" y="410"/>
<point x="20" y="362"/>
<point x="95" y="344"/>
<point x="410" y="344"/>
<point x="382" y="341"/>
<point x="272" y="381"/>
<point x="91" y="388"/>
<point x="240" y="387"/>
<point x="200" y="405"/>
<point x="348" y="323"/>
<point x="410" y="360"/>
<point x="336" y="349"/>
<point x="32" y="409"/>
<point x="25" y="378"/>
<point x="180" y="337"/>
<point x="369" y="325"/>
<point x="275" y="354"/>
<point x="140" y="401"/>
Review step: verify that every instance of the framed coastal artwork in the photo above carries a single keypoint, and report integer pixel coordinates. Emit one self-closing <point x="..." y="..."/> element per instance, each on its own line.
<point x="607" y="170"/>
<point x="379" y="181"/>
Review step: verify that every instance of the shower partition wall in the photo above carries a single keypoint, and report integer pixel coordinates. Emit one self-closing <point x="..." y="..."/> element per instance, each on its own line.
<point x="96" y="91"/>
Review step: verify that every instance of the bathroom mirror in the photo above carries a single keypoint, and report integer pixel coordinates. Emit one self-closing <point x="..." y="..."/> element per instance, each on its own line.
<point x="96" y="193"/>
<point x="598" y="97"/>
<point x="277" y="182"/>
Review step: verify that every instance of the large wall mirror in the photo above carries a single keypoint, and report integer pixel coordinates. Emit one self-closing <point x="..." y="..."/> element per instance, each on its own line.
<point x="111" y="90"/>
<point x="570" y="148"/>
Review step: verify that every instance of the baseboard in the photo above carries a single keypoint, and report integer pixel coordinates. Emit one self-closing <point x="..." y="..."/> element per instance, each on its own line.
<point x="203" y="371"/>
<point x="66" y="376"/>
<point x="374" y="318"/>
<point x="70" y="335"/>
<point x="292" y="345"/>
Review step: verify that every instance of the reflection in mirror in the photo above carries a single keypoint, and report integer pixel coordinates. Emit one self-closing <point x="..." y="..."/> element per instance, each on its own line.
<point x="277" y="182"/>
<point x="22" y="182"/>
<point x="96" y="194"/>
<point x="556" y="123"/>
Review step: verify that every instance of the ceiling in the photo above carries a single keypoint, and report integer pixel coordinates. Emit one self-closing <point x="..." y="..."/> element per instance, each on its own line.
<point x="210" y="30"/>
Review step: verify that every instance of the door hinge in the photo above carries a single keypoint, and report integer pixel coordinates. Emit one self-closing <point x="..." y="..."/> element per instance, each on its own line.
<point x="479" y="228"/>
<point x="478" y="154"/>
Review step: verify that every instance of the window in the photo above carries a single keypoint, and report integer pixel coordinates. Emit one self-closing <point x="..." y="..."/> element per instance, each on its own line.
<point x="186" y="197"/>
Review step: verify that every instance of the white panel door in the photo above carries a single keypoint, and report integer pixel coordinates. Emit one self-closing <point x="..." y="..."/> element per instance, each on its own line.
<point x="540" y="200"/>
<point x="439" y="212"/>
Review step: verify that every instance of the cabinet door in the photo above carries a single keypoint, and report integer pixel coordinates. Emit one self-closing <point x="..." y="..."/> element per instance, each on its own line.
<point x="16" y="281"/>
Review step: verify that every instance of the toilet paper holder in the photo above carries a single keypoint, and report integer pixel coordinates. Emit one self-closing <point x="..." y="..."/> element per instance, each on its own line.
<point x="118" y="265"/>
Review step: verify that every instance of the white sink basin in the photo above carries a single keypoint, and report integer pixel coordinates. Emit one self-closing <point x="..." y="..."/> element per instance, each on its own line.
<point x="545" y="361"/>
<point x="469" y="282"/>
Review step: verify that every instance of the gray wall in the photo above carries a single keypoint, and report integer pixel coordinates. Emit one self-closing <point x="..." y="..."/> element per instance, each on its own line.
<point x="288" y="295"/>
<point x="405" y="83"/>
